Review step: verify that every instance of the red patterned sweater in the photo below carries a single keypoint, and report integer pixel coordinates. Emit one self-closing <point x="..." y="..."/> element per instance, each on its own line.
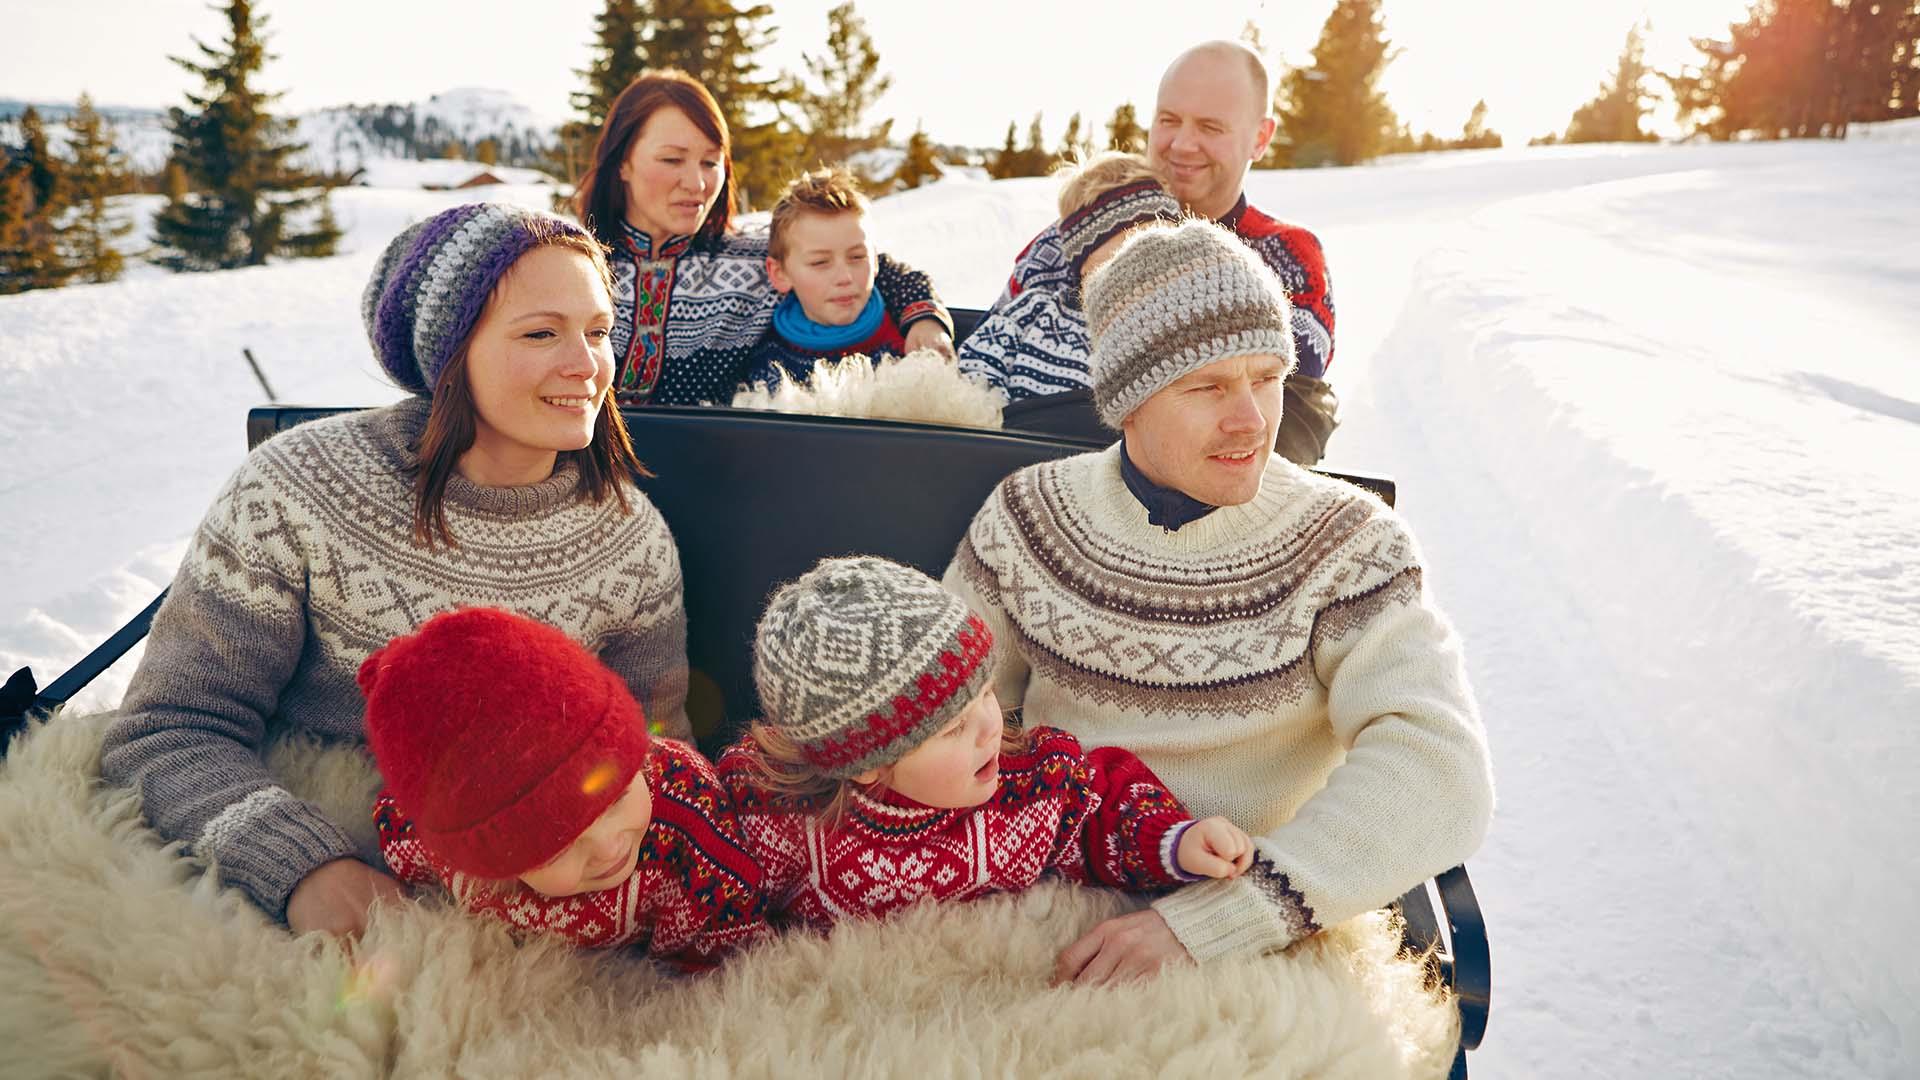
<point x="694" y="897"/>
<point x="1100" y="818"/>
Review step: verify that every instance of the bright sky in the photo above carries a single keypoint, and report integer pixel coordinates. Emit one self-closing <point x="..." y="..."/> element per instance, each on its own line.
<point x="965" y="70"/>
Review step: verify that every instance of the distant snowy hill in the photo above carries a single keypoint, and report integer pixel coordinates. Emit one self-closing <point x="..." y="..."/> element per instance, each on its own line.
<point x="341" y="138"/>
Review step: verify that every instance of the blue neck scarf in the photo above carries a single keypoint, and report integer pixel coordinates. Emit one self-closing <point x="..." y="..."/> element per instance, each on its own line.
<point x="1167" y="507"/>
<point x="791" y="323"/>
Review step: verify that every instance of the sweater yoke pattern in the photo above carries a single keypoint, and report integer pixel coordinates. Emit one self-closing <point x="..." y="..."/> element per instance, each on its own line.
<point x="1120" y="622"/>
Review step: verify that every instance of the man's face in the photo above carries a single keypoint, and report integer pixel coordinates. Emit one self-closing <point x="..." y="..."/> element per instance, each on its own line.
<point x="1209" y="433"/>
<point x="1208" y="128"/>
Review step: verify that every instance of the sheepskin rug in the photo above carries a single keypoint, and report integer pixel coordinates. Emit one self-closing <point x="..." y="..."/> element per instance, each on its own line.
<point x="923" y="385"/>
<point x="118" y="955"/>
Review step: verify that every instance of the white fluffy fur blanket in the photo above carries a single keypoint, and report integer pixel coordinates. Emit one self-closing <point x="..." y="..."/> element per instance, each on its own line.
<point x="922" y="385"/>
<point x="118" y="955"/>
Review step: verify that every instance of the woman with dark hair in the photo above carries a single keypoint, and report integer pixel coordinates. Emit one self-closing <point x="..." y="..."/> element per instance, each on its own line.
<point x="503" y="481"/>
<point x="691" y="295"/>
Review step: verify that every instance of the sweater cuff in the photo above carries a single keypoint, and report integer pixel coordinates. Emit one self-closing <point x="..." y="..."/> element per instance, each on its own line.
<point x="269" y="841"/>
<point x="1170" y="852"/>
<point x="1241" y="916"/>
<point x="925" y="309"/>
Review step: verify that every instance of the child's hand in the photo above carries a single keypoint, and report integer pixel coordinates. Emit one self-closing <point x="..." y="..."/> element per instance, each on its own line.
<point x="1215" y="847"/>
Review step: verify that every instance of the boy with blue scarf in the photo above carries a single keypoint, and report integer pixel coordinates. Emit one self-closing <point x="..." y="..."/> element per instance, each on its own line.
<point x="819" y="259"/>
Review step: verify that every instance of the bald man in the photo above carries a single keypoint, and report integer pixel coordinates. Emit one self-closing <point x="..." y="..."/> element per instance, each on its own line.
<point x="1211" y="122"/>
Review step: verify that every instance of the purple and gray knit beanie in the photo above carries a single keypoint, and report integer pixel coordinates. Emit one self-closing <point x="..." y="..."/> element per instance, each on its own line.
<point x="1111" y="214"/>
<point x="860" y="660"/>
<point x="1172" y="301"/>
<point x="433" y="280"/>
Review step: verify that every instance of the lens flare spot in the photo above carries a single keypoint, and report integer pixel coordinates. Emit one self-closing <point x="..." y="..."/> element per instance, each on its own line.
<point x="367" y="981"/>
<point x="599" y="777"/>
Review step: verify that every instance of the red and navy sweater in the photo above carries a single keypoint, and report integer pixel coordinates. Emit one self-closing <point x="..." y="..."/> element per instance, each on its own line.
<point x="1292" y="251"/>
<point x="776" y="353"/>
<point x="694" y="897"/>
<point x="1094" y="818"/>
<point x="689" y="312"/>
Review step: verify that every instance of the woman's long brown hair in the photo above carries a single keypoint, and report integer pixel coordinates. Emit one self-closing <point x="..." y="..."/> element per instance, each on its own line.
<point x="600" y="196"/>
<point x="605" y="463"/>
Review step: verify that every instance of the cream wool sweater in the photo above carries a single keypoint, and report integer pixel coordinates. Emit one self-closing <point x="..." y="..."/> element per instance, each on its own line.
<point x="1278" y="663"/>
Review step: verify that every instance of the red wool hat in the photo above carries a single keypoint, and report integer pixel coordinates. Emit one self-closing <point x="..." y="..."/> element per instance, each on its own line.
<point x="499" y="737"/>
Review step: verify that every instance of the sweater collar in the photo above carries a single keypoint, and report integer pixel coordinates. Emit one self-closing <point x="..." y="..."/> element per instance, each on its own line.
<point x="641" y="244"/>
<point x="410" y="422"/>
<point x="1231" y="219"/>
<point x="1169" y="508"/>
<point x="888" y="811"/>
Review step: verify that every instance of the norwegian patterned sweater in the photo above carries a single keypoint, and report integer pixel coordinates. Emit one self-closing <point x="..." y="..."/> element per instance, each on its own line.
<point x="1034" y="344"/>
<point x="306" y="564"/>
<point x="1292" y="251"/>
<point x="694" y="896"/>
<point x="1099" y="817"/>
<point x="688" y="314"/>
<point x="1279" y="663"/>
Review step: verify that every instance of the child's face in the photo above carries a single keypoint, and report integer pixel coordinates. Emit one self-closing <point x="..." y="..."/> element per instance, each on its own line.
<point x="958" y="767"/>
<point x="603" y="856"/>
<point x="828" y="265"/>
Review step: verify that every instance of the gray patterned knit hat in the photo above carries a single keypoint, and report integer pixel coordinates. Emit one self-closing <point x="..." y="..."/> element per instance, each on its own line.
<point x="433" y="280"/>
<point x="861" y="659"/>
<point x="1111" y="214"/>
<point x="1173" y="301"/>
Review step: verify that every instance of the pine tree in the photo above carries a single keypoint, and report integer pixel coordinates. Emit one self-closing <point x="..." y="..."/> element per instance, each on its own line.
<point x="97" y="171"/>
<point x="1334" y="112"/>
<point x="1614" y="114"/>
<point x="920" y="165"/>
<point x="1474" y="135"/>
<point x="487" y="151"/>
<point x="1034" y="158"/>
<point x="619" y="56"/>
<point x="235" y="153"/>
<point x="1124" y="132"/>
<point x="851" y="84"/>
<point x="1805" y="68"/>
<point x="1074" y="146"/>
<point x="1006" y="163"/>
<point x="33" y="198"/>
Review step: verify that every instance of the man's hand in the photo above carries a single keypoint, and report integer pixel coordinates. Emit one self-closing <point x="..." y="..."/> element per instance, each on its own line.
<point x="1130" y="947"/>
<point x="335" y="896"/>
<point x="1215" y="847"/>
<point x="929" y="334"/>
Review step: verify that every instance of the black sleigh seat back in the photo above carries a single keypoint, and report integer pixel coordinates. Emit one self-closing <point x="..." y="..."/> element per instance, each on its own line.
<point x="754" y="499"/>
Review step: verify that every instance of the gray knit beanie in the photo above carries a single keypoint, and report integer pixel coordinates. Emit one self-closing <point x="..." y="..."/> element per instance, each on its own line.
<point x="861" y="659"/>
<point x="1172" y="301"/>
<point x="433" y="280"/>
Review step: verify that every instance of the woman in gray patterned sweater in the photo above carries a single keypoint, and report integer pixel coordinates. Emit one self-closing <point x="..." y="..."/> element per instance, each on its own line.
<point x="505" y="480"/>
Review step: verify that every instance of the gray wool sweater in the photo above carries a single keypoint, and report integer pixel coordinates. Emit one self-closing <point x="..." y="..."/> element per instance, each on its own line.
<point x="303" y="567"/>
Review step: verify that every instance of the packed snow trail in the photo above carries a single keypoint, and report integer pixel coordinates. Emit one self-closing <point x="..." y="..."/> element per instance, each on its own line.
<point x="1688" y="612"/>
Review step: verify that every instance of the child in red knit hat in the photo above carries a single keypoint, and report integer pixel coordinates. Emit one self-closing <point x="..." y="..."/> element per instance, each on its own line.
<point x="520" y="776"/>
<point x="882" y="772"/>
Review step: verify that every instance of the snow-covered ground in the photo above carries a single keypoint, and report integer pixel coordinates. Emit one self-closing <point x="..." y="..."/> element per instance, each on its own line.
<point x="1655" y="417"/>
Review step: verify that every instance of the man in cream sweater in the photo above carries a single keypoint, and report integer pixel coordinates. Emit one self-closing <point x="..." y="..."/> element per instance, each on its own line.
<point x="1259" y="635"/>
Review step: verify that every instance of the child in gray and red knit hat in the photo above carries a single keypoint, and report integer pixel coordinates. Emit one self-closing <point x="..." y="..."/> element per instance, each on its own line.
<point x="883" y="773"/>
<point x="520" y="776"/>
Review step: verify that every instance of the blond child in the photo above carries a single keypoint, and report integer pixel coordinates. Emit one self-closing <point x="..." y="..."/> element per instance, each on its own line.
<point x="882" y="772"/>
<point x="1037" y="343"/>
<point x="822" y="262"/>
<point x="521" y="777"/>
